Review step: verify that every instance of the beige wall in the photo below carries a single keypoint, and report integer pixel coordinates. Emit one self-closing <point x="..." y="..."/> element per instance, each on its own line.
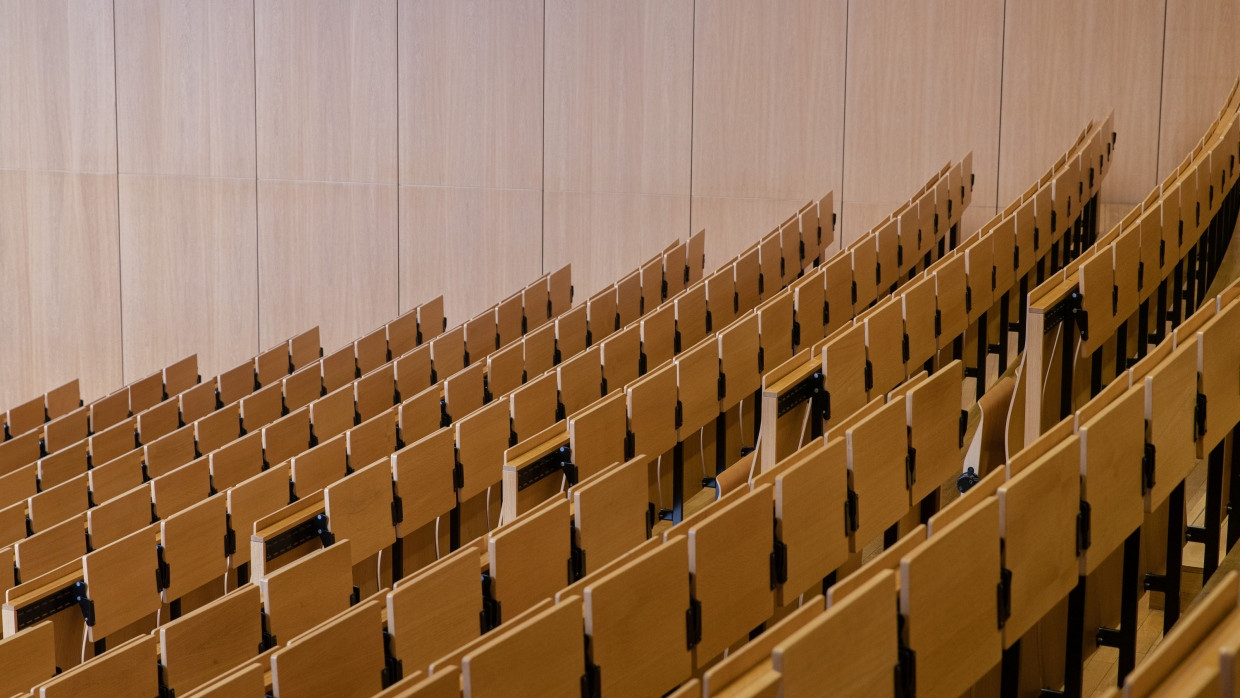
<point x="212" y="176"/>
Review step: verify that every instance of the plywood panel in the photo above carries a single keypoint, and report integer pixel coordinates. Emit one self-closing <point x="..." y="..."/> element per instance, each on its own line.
<point x="1065" y="63"/>
<point x="189" y="272"/>
<point x="732" y="223"/>
<point x="474" y="246"/>
<point x="58" y="81"/>
<point x="1200" y="62"/>
<point x="58" y="260"/>
<point x="326" y="257"/>
<point x="923" y="88"/>
<point x="326" y="89"/>
<point x="606" y="235"/>
<point x="185" y="87"/>
<point x="768" y="93"/>
<point x="471" y="77"/>
<point x="618" y="96"/>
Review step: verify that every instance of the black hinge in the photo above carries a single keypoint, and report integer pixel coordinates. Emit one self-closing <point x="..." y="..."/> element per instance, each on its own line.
<point x="761" y="283"/>
<point x="1162" y="252"/>
<point x="1147" y="469"/>
<point x="163" y="571"/>
<point x="268" y="640"/>
<point x="938" y="322"/>
<point x="801" y="250"/>
<point x="230" y="540"/>
<point x="560" y="412"/>
<point x="630" y="445"/>
<point x="854" y="291"/>
<point x="576" y="557"/>
<point x="910" y="468"/>
<point x="680" y="413"/>
<point x="852" y="512"/>
<point x="723" y="386"/>
<point x="1082" y="528"/>
<point x="869" y="375"/>
<point x="1140" y="275"/>
<point x="591" y="681"/>
<point x="393" y="668"/>
<point x="1054" y="222"/>
<point x="1199" y="416"/>
<point x="1005" y="596"/>
<point x="899" y="254"/>
<point x="905" y="671"/>
<point x="445" y="419"/>
<point x="1016" y="257"/>
<point x="796" y="333"/>
<point x="1114" y="299"/>
<point x="490" y="614"/>
<point x="736" y="302"/>
<point x="968" y="299"/>
<point x="1180" y="234"/>
<point x="589" y="337"/>
<point x="556" y="356"/>
<point x="779" y="563"/>
<point x="1035" y="238"/>
<point x="904" y="347"/>
<point x="693" y="624"/>
<point x="398" y="508"/>
<point x="994" y="278"/>
<point x="964" y="426"/>
<point x="761" y="360"/>
<point x="663" y="289"/>
<point x="458" y="474"/>
<point x="710" y="321"/>
<point x="878" y="273"/>
<point x="826" y="313"/>
<point x="641" y="364"/>
<point x="676" y="341"/>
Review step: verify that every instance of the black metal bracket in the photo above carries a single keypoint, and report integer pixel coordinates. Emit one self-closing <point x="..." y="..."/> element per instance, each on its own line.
<point x="964" y="426"/>
<point x="804" y="390"/>
<point x="559" y="460"/>
<point x="869" y="375"/>
<point x="1082" y="528"/>
<point x="163" y="571"/>
<point x="693" y="624"/>
<point x="1066" y="310"/>
<point x="852" y="512"/>
<point x="1199" y="416"/>
<point x="46" y="607"/>
<point x="316" y="527"/>
<point x="1147" y="468"/>
<point x="1005" y="596"/>
<point x="966" y="480"/>
<point x="591" y="680"/>
<point x="491" y="612"/>
<point x="910" y="468"/>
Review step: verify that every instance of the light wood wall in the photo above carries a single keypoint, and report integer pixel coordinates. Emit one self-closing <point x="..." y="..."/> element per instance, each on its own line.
<point x="211" y="176"/>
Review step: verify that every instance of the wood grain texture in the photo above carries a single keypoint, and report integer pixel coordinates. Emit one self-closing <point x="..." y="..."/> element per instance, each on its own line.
<point x="189" y="278"/>
<point x="58" y="252"/>
<point x="489" y="236"/>
<point x="906" y="63"/>
<point x="327" y="257"/>
<point x="185" y="87"/>
<point x="768" y="92"/>
<point x="1199" y="66"/>
<point x="606" y="235"/>
<point x="1105" y="48"/>
<point x="618" y="96"/>
<point x="471" y="93"/>
<point x="326" y="90"/>
<point x="59" y="81"/>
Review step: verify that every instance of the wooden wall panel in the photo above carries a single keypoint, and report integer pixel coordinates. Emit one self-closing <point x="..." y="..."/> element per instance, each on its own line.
<point x="768" y="112"/>
<point x="1201" y="60"/>
<point x="1067" y="62"/>
<point x="474" y="246"/>
<point x="734" y="223"/>
<point x="326" y="256"/>
<point x="471" y="76"/>
<point x="57" y="86"/>
<point x="617" y="105"/>
<point x="326" y="89"/>
<point x="189" y="272"/>
<point x="607" y="235"/>
<point x="61" y="291"/>
<point x="923" y="88"/>
<point x="185" y="87"/>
